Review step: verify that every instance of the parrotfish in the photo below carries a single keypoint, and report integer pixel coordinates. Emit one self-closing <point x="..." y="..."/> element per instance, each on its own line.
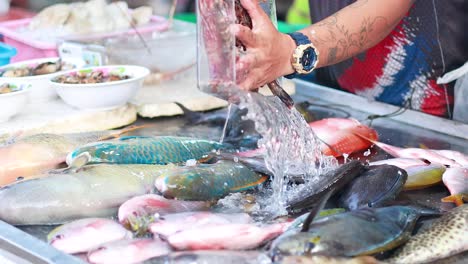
<point x="95" y="191"/>
<point x="328" y="183"/>
<point x="208" y="181"/>
<point x="299" y="221"/>
<point x="327" y="260"/>
<point x="136" y="212"/>
<point x="172" y="223"/>
<point x="86" y="234"/>
<point x="142" y="150"/>
<point x="29" y="156"/>
<point x="128" y="251"/>
<point x="456" y="180"/>
<point x="424" y="176"/>
<point x="447" y="236"/>
<point x="225" y="236"/>
<point x="361" y="232"/>
<point x="433" y="156"/>
<point x="377" y="186"/>
<point x="212" y="256"/>
<point x="339" y="135"/>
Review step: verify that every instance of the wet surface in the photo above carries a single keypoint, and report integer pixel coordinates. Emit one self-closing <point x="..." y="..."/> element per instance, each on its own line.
<point x="389" y="131"/>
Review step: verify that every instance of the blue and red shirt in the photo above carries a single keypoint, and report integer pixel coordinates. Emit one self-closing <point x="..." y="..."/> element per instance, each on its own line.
<point x="403" y="68"/>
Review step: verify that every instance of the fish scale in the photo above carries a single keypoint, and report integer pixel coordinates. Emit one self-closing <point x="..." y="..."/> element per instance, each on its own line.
<point x="446" y="237"/>
<point x="146" y="150"/>
<point x="207" y="181"/>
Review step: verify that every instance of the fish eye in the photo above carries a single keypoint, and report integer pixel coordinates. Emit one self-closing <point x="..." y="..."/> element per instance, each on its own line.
<point x="59" y="236"/>
<point x="20" y="178"/>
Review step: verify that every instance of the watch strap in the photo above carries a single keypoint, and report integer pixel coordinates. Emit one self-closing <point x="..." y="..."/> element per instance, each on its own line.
<point x="299" y="39"/>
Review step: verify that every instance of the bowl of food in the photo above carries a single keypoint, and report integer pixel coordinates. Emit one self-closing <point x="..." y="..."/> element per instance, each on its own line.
<point x="101" y="87"/>
<point x="13" y="98"/>
<point x="36" y="73"/>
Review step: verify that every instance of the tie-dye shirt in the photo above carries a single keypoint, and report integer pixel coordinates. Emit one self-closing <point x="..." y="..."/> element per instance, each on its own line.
<point x="403" y="68"/>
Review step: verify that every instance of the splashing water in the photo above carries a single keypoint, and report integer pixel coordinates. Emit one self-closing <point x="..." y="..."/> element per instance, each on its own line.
<point x="221" y="140"/>
<point x="290" y="145"/>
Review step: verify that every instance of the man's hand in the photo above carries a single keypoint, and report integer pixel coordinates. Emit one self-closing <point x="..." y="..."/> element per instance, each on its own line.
<point x="268" y="52"/>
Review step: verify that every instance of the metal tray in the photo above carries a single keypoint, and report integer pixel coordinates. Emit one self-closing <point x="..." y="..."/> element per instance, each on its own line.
<point x="410" y="129"/>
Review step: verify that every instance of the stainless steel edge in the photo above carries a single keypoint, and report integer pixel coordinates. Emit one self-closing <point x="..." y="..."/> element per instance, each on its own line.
<point x="31" y="249"/>
<point x="411" y="117"/>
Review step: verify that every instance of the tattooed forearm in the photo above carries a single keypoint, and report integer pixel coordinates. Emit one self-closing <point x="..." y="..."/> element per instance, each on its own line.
<point x="355" y="28"/>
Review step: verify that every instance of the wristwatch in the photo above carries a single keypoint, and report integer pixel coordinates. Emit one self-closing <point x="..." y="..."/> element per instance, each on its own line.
<point x="305" y="56"/>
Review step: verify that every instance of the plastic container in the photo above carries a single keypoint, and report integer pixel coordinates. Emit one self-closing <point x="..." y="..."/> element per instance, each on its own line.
<point x="166" y="52"/>
<point x="29" y="48"/>
<point x="6" y="53"/>
<point x="216" y="46"/>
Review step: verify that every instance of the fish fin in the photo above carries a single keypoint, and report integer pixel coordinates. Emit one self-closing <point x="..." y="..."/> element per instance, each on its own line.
<point x="457" y="199"/>
<point x="278" y="91"/>
<point x="392" y="150"/>
<point x="315" y="211"/>
<point x="123" y="131"/>
<point x="78" y="162"/>
<point x="131" y="137"/>
<point x="191" y="116"/>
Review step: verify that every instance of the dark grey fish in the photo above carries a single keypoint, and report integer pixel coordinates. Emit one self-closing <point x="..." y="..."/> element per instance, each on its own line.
<point x="361" y="232"/>
<point x="377" y="186"/>
<point x="330" y="182"/>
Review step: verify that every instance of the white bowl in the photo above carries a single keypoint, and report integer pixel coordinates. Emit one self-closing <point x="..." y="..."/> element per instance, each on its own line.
<point x="41" y="90"/>
<point x="12" y="103"/>
<point x="102" y="96"/>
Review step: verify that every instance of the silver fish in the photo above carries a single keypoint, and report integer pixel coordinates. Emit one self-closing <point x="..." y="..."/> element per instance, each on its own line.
<point x="95" y="191"/>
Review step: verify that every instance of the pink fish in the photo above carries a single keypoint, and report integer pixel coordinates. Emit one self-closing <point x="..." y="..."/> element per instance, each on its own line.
<point x="86" y="234"/>
<point x="173" y="223"/>
<point x="150" y="204"/>
<point x="414" y="153"/>
<point x="27" y="157"/>
<point x="456" y="180"/>
<point x="128" y="251"/>
<point x="227" y="236"/>
<point x="402" y="163"/>
<point x="458" y="157"/>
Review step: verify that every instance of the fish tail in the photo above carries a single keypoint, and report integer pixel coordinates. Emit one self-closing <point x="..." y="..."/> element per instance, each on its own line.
<point x="124" y="131"/>
<point x="277" y="90"/>
<point x="457" y="199"/>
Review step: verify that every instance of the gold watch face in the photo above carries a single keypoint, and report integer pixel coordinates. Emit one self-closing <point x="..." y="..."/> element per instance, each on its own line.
<point x="305" y="58"/>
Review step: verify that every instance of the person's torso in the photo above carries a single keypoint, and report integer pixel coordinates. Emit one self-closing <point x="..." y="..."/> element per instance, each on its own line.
<point x="403" y="68"/>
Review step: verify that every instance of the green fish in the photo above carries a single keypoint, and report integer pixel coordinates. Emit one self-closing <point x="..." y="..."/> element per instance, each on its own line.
<point x="208" y="181"/>
<point x="446" y="237"/>
<point x="361" y="232"/>
<point x="142" y="150"/>
<point x="94" y="191"/>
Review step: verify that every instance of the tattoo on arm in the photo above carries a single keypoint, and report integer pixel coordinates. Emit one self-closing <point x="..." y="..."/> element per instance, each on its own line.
<point x="341" y="42"/>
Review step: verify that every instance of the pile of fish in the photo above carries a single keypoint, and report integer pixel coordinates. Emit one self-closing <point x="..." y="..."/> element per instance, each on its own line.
<point x="156" y="199"/>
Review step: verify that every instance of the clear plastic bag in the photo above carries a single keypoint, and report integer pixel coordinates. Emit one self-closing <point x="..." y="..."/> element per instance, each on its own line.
<point x="460" y="110"/>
